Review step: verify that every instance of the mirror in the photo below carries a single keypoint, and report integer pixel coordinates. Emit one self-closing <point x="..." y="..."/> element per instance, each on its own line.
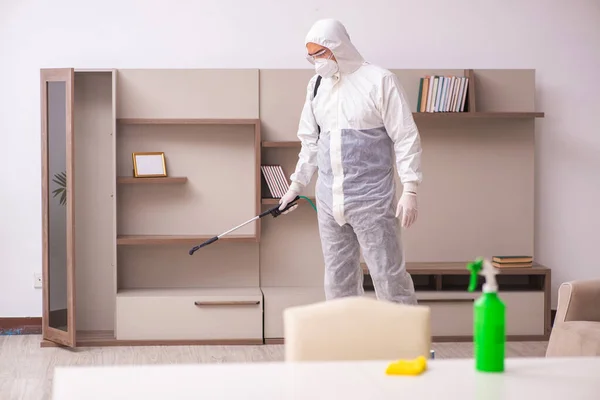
<point x="57" y="204"/>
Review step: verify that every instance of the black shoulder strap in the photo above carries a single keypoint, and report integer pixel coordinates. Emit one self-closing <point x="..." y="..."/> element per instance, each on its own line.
<point x="317" y="83"/>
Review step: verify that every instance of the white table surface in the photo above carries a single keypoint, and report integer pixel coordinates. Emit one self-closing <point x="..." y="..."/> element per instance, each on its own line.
<point x="524" y="378"/>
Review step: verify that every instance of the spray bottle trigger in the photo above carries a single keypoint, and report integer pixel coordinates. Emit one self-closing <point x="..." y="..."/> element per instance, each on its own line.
<point x="475" y="267"/>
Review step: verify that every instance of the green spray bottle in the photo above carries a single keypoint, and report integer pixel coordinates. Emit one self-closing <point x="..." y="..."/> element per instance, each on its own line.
<point x="489" y="319"/>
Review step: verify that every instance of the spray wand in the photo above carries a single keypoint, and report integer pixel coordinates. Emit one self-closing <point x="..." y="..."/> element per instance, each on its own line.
<point x="275" y="212"/>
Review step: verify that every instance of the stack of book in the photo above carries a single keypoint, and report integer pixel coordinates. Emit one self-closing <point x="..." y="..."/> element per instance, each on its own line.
<point x="512" y="261"/>
<point x="276" y="182"/>
<point x="442" y="94"/>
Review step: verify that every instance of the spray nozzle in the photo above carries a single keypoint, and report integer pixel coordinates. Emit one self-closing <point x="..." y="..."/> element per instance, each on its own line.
<point x="475" y="267"/>
<point x="483" y="267"/>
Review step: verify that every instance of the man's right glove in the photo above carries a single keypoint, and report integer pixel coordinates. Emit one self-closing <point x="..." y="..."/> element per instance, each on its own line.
<point x="288" y="197"/>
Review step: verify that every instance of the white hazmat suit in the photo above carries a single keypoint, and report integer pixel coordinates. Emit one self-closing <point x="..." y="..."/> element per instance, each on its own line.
<point x="364" y="121"/>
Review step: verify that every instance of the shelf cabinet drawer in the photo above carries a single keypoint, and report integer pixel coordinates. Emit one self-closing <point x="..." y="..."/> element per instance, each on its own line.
<point x="454" y="316"/>
<point x="189" y="315"/>
<point x="525" y="313"/>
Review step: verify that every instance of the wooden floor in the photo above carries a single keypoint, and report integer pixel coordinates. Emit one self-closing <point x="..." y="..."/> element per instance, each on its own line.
<point x="26" y="370"/>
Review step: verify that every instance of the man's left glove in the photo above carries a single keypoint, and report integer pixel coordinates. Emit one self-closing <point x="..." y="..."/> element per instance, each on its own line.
<point x="407" y="208"/>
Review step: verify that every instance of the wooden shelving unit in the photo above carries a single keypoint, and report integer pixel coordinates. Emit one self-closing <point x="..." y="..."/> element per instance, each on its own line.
<point x="133" y="233"/>
<point x="142" y="181"/>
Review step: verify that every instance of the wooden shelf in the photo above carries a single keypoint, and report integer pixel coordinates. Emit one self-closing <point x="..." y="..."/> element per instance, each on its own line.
<point x="165" y="180"/>
<point x="177" y="239"/>
<point x="420" y="116"/>
<point x="460" y="268"/>
<point x="270" y="201"/>
<point x="220" y="292"/>
<point x="276" y="201"/>
<point x="291" y="143"/>
<point x="187" y="121"/>
<point x="477" y="115"/>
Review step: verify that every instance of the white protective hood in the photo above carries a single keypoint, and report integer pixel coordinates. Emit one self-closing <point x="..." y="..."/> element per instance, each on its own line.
<point x="332" y="34"/>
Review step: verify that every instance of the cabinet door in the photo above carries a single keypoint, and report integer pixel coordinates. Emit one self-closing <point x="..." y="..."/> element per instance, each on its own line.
<point x="57" y="206"/>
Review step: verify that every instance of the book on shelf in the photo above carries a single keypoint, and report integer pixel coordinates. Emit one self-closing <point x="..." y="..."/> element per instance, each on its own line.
<point x="512" y="261"/>
<point x="275" y="183"/>
<point x="439" y="93"/>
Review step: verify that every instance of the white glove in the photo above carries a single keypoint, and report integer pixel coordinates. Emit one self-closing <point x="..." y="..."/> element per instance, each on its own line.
<point x="286" y="199"/>
<point x="407" y="208"/>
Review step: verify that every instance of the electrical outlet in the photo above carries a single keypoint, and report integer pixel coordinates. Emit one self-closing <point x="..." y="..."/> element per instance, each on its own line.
<point x="37" y="280"/>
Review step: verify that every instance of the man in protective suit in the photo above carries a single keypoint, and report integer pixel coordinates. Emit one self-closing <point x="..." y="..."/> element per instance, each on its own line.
<point x="350" y="131"/>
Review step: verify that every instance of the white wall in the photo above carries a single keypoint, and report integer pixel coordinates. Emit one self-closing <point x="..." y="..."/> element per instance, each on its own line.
<point x="561" y="39"/>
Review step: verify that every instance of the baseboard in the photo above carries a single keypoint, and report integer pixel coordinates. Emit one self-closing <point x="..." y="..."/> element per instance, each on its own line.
<point x="21" y="326"/>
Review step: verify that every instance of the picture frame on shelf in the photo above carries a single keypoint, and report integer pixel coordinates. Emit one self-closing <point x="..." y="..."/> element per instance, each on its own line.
<point x="149" y="164"/>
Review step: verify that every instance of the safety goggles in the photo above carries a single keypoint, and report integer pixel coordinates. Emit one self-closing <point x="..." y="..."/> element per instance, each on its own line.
<point x="319" y="54"/>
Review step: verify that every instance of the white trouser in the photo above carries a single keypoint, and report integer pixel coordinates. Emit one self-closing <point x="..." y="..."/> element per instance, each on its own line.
<point x="374" y="229"/>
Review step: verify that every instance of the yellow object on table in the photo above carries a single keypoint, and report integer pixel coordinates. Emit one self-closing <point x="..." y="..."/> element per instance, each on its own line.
<point x="407" y="367"/>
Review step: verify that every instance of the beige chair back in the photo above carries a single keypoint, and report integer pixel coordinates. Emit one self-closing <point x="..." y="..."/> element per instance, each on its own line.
<point x="356" y="328"/>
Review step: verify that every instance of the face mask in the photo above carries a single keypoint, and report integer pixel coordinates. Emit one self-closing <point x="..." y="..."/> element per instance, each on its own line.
<point x="325" y="67"/>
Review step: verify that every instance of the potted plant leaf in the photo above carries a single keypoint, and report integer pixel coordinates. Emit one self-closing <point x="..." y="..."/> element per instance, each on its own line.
<point x="61" y="180"/>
